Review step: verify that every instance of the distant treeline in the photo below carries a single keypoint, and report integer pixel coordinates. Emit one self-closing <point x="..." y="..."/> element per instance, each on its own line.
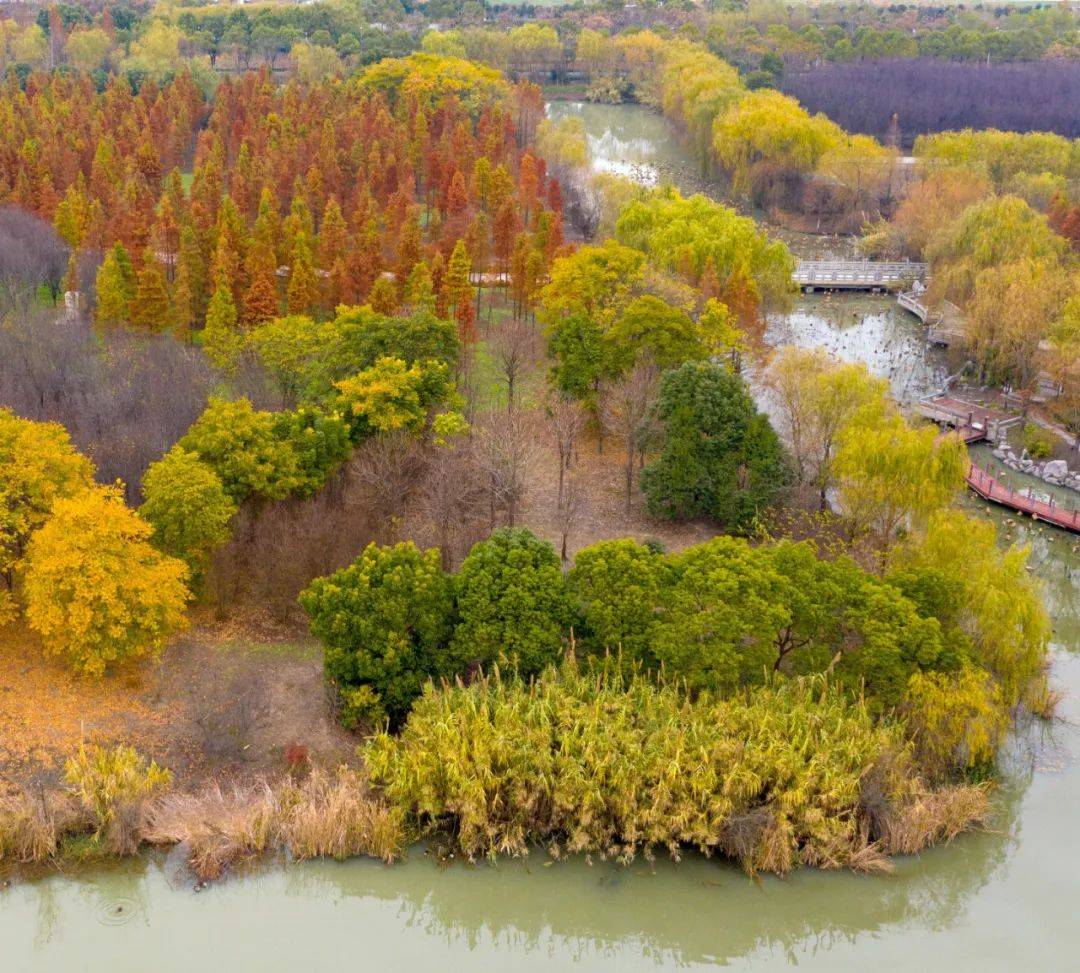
<point x="930" y="95"/>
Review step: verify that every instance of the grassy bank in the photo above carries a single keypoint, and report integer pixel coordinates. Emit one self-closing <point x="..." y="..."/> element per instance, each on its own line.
<point x="319" y="814"/>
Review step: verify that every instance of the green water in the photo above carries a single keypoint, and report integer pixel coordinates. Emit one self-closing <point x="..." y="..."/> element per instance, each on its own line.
<point x="998" y="900"/>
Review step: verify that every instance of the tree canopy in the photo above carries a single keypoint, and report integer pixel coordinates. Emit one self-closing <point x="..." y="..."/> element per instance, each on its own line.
<point x="720" y="458"/>
<point x="95" y="589"/>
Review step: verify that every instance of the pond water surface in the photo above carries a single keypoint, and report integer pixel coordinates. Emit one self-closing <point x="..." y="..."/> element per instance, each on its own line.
<point x="639" y="143"/>
<point x="998" y="900"/>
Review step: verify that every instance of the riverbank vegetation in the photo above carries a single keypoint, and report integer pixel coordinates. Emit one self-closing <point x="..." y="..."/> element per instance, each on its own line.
<point x="991" y="215"/>
<point x="116" y="803"/>
<point x="601" y="765"/>
<point x="388" y="350"/>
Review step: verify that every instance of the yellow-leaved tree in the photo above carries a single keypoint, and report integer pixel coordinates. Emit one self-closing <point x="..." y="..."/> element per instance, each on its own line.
<point x="390" y="394"/>
<point x="768" y="127"/>
<point x="893" y="477"/>
<point x="95" y="589"/>
<point x="38" y="465"/>
<point x="999" y="605"/>
<point x="817" y="397"/>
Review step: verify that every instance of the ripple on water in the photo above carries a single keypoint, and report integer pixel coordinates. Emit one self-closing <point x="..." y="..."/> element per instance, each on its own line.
<point x="116" y="910"/>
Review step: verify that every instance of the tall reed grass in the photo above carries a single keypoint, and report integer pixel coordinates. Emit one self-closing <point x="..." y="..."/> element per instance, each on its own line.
<point x="620" y="766"/>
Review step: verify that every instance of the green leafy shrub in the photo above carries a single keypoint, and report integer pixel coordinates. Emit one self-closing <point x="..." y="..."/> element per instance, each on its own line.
<point x="724" y="614"/>
<point x="619" y="586"/>
<point x="321" y="443"/>
<point x="1038" y="442"/>
<point x="721" y="616"/>
<point x="307" y="358"/>
<point x="512" y="602"/>
<point x="385" y="622"/>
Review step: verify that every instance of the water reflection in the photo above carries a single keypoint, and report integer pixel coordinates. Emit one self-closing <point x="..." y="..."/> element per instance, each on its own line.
<point x="694" y="913"/>
<point x="632" y="141"/>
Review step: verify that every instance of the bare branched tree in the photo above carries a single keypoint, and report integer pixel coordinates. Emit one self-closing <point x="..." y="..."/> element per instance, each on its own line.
<point x="469" y="382"/>
<point x="124" y="398"/>
<point x="568" y="511"/>
<point x="625" y="407"/>
<point x="565" y="421"/>
<point x="516" y="348"/>
<point x="453" y="499"/>
<point x="32" y="255"/>
<point x="509" y="450"/>
<point x="389" y="468"/>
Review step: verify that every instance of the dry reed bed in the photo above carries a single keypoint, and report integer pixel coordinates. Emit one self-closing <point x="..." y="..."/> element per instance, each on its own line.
<point x="327" y="813"/>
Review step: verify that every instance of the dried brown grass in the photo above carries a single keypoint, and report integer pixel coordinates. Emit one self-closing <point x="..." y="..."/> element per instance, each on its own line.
<point x="32" y="825"/>
<point x="337" y="815"/>
<point x="934" y="816"/>
<point x="220" y="827"/>
<point x="327" y="814"/>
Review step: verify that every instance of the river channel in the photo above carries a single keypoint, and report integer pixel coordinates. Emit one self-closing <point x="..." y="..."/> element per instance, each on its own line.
<point x="997" y="900"/>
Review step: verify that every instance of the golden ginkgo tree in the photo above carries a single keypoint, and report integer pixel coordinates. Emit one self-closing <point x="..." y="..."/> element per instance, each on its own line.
<point x="94" y="587"/>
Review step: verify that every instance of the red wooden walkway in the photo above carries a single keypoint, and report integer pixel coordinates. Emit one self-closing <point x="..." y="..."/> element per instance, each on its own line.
<point x="989" y="488"/>
<point x="972" y="425"/>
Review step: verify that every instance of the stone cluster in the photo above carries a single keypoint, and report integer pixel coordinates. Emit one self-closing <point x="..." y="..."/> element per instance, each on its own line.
<point x="1056" y="472"/>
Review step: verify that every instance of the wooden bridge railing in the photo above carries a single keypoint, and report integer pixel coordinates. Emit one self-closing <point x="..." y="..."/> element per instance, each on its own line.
<point x="987" y="486"/>
<point x="857" y="274"/>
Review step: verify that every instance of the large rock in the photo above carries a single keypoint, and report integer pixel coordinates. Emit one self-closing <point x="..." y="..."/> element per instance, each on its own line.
<point x="1056" y="468"/>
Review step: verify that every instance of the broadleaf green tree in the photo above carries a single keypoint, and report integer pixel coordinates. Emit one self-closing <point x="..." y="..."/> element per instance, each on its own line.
<point x="513" y="605"/>
<point x="242" y="445"/>
<point x="385" y="622"/>
<point x="187" y="506"/>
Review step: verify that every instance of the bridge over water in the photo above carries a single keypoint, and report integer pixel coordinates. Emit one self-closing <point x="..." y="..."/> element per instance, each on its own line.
<point x="858" y="275"/>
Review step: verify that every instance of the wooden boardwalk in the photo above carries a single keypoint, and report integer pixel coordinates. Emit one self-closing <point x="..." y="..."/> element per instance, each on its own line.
<point x="857" y="275"/>
<point x="974" y="424"/>
<point x="987" y="486"/>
